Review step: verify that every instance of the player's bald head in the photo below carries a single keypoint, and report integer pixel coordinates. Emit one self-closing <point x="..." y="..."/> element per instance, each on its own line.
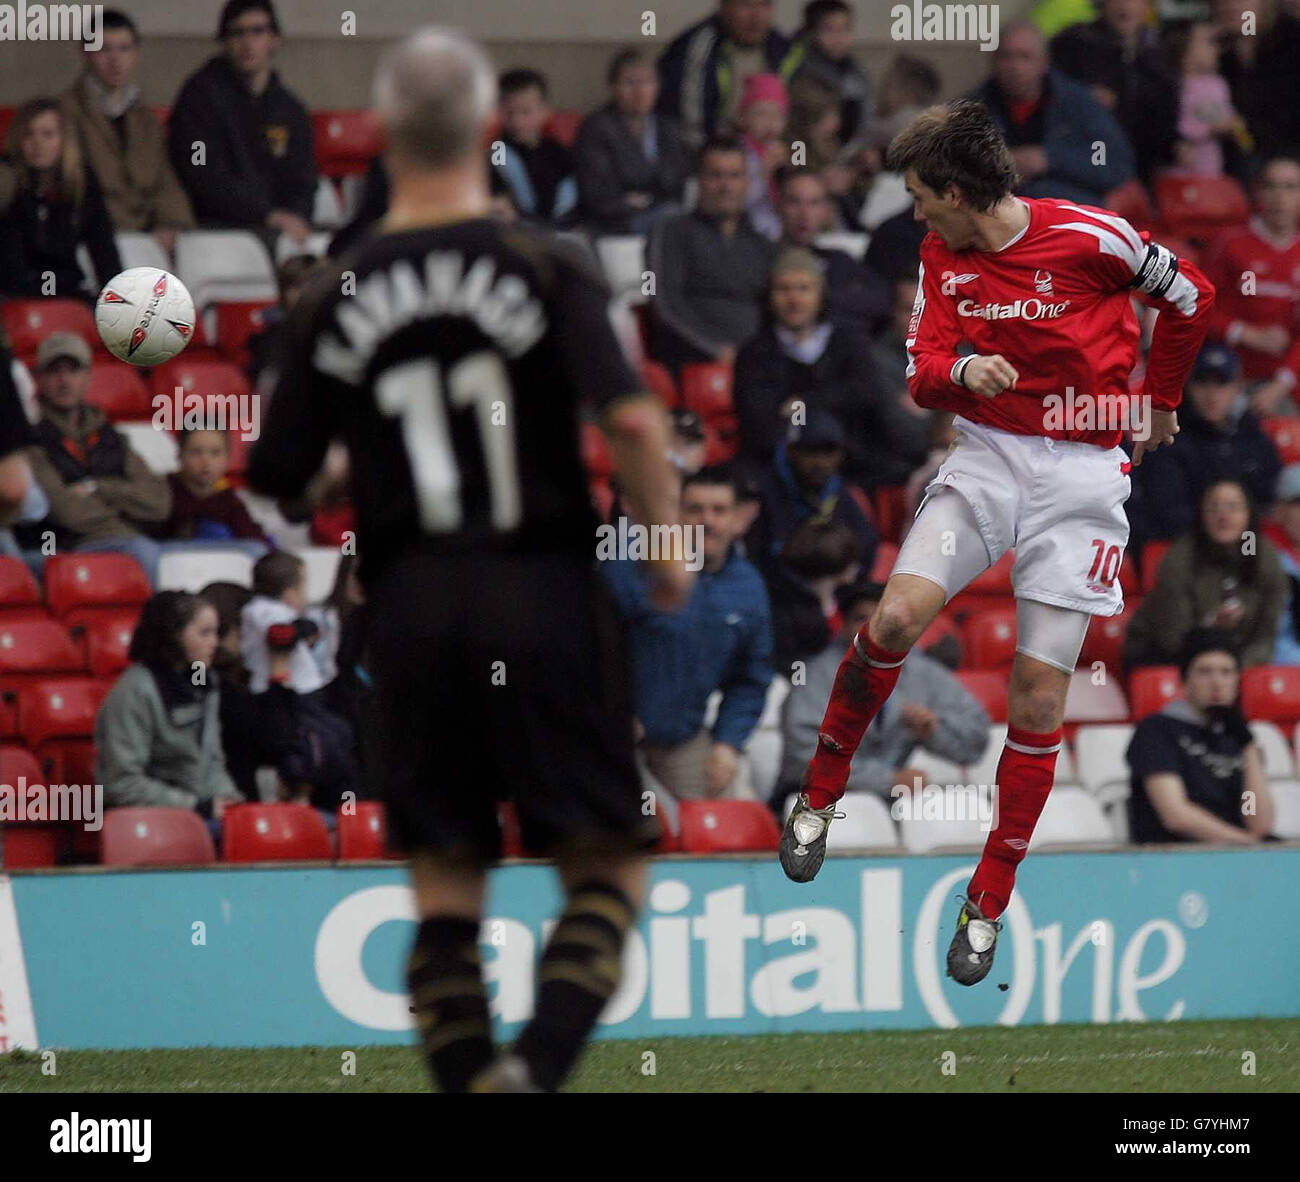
<point x="434" y="93"/>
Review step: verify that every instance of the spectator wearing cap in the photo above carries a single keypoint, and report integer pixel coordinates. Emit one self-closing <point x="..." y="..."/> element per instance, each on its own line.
<point x="856" y="295"/>
<point x="804" y="483"/>
<point x="703" y="70"/>
<point x="710" y="267"/>
<point x="929" y="709"/>
<point x="239" y="139"/>
<point x="123" y="140"/>
<point x="1118" y="58"/>
<point x="631" y="162"/>
<point x="1052" y="124"/>
<point x="1196" y="772"/>
<point x="102" y="495"/>
<point x="1223" y="574"/>
<point x="1283" y="530"/>
<point x="1256" y="274"/>
<point x="1219" y="438"/>
<point x="801" y="359"/>
<point x="720" y="641"/>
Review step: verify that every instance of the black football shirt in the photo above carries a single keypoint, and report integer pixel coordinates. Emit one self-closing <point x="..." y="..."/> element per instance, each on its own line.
<point x="453" y="361"/>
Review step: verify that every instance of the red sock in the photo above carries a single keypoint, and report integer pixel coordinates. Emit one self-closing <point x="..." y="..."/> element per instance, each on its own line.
<point x="866" y="677"/>
<point x="1025" y="774"/>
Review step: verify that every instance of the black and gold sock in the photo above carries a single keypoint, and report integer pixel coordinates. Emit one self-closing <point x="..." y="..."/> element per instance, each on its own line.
<point x="579" y="971"/>
<point x="445" y="976"/>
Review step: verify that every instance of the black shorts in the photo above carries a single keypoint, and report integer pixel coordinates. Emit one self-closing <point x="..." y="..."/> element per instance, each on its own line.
<point x="503" y="677"/>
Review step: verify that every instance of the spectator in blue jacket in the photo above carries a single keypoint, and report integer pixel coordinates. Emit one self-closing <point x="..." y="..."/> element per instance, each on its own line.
<point x="257" y="170"/>
<point x="1219" y="438"/>
<point x="703" y="70"/>
<point x="1051" y="123"/>
<point x="721" y="641"/>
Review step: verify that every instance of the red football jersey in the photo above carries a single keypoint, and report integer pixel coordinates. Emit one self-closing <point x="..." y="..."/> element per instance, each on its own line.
<point x="1055" y="302"/>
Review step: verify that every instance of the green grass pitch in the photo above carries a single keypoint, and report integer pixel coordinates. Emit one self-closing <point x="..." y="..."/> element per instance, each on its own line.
<point x="1156" y="1057"/>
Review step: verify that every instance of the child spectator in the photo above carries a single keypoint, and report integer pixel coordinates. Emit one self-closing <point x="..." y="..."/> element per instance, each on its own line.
<point x="827" y="38"/>
<point x="280" y="601"/>
<point x="1206" y="115"/>
<point x="204" y="506"/>
<point x="158" y="734"/>
<point x="534" y="171"/>
<point x="50" y="204"/>
<point x="764" y="106"/>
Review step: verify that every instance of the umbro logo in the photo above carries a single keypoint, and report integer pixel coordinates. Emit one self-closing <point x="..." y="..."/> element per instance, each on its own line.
<point x="950" y="282"/>
<point x="1016" y="843"/>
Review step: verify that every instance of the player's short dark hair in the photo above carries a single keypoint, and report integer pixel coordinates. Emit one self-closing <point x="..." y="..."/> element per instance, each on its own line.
<point x="915" y="77"/>
<point x="632" y="55"/>
<point x="234" y="9"/>
<point x="518" y="80"/>
<point x="714" y="476"/>
<point x="229" y="599"/>
<point x="957" y="145"/>
<point x="1200" y="641"/>
<point x="819" y="549"/>
<point x="277" y="572"/>
<point x="115" y="18"/>
<point x="718" y="143"/>
<point x="817" y="11"/>
<point x="156" y="641"/>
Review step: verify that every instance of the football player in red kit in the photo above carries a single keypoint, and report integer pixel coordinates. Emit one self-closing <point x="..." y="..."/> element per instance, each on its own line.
<point x="1024" y="327"/>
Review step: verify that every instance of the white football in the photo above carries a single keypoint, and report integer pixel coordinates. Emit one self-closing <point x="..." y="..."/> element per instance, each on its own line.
<point x="144" y="316"/>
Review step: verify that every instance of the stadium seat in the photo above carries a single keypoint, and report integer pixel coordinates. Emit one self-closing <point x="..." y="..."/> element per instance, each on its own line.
<point x="322" y="563"/>
<point x="19" y="594"/>
<point x="853" y="245"/>
<point x="764" y="752"/>
<point x="1199" y="207"/>
<point x="935" y="768"/>
<point x="30" y="847"/>
<point x="1086" y="701"/>
<point x="886" y="556"/>
<point x="158" y="449"/>
<point x="727" y="826"/>
<point x="276" y="832"/>
<point x="1100" y="756"/>
<point x="17" y="762"/>
<point x="1274" y="750"/>
<point x="119" y="391"/>
<point x="192" y="570"/>
<point x="106" y="637"/>
<point x="989" y="639"/>
<point x="363" y="832"/>
<point x="237" y="322"/>
<point x="138" y="249"/>
<point x="994" y="582"/>
<point x="1071" y="817"/>
<point x="155" y="837"/>
<point x="778" y="689"/>
<point x="890" y="509"/>
<point x="1151" y="687"/>
<point x="315" y="245"/>
<point x="33" y="647"/>
<point x="1286" y="802"/>
<point x="942" y="627"/>
<point x="210" y="379"/>
<point x="28" y="322"/>
<point x="659" y="382"/>
<point x="988" y="688"/>
<point x="77" y="581"/>
<point x="1132" y="202"/>
<point x="1271" y="692"/>
<point x="595" y="452"/>
<point x="706" y="389"/>
<point x="1285" y="434"/>
<point x="1153" y="554"/>
<point x="345" y="142"/>
<point x="921" y="833"/>
<point x="1104" y="642"/>
<point x="622" y="258"/>
<point x="866" y="824"/>
<point x="56" y="718"/>
<point x="217" y="265"/>
<point x="330" y="526"/>
<point x="327" y="206"/>
<point x="563" y="126"/>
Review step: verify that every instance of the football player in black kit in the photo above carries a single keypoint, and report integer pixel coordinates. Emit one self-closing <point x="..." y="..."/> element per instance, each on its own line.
<point x="451" y="354"/>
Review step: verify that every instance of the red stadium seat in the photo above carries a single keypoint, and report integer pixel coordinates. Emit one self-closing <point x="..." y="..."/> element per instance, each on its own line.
<point x="119" y="391"/>
<point x="1151" y="688"/>
<point x="987" y="688"/>
<point x="364" y="833"/>
<point x="942" y="627"/>
<point x="19" y="593"/>
<point x="56" y="717"/>
<point x="1285" y="434"/>
<point x="28" y="322"/>
<point x="1271" y="693"/>
<point x="990" y="639"/>
<point x="512" y="841"/>
<point x="18" y="762"/>
<point x="595" y="452"/>
<point x="237" y="322"/>
<point x="706" y="389"/>
<point x="891" y="508"/>
<point x="1198" y="207"/>
<point x="75" y="582"/>
<point x="996" y="581"/>
<point x="274" y="833"/>
<point x="155" y="837"/>
<point x="1152" y="555"/>
<point x="329" y="525"/>
<point x="6" y="121"/>
<point x="1104" y="641"/>
<point x="33" y="646"/>
<point x="886" y="556"/>
<point x="197" y="375"/>
<point x="563" y="126"/>
<point x="721" y="441"/>
<point x="345" y="142"/>
<point x="1132" y="202"/>
<point x="659" y="382"/>
<point x="107" y="639"/>
<point x="727" y="826"/>
<point x="31" y="847"/>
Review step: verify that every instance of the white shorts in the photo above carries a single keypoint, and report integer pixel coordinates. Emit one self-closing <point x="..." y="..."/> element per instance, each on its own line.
<point x="1059" y="504"/>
